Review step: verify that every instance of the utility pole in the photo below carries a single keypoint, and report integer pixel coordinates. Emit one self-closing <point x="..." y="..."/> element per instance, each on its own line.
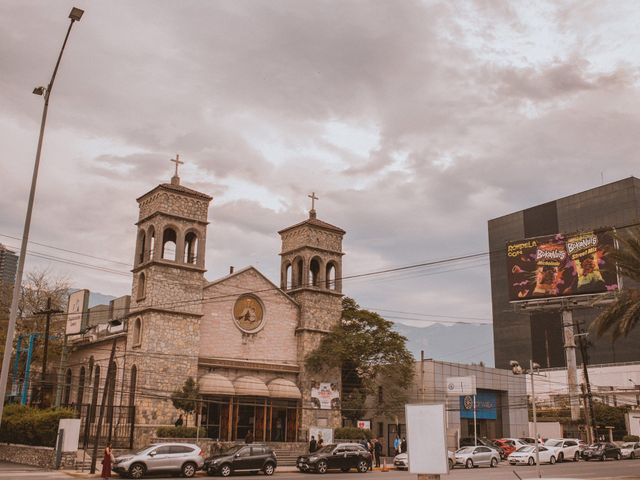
<point x="585" y="371"/>
<point x="48" y="312"/>
<point x="587" y="415"/>
<point x="572" y="368"/>
<point x="107" y="387"/>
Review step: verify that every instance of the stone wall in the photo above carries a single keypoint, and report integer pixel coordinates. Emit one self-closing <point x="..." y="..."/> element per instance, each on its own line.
<point x="43" y="457"/>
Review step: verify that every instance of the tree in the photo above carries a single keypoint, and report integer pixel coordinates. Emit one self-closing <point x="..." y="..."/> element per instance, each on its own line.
<point x="622" y="316"/>
<point x="186" y="398"/>
<point x="373" y="359"/>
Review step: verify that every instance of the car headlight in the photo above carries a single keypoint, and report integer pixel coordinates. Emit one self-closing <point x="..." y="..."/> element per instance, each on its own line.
<point x="313" y="458"/>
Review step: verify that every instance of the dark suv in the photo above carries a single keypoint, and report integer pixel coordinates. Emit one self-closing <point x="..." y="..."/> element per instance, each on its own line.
<point x="251" y="458"/>
<point x="343" y="456"/>
<point x="602" y="451"/>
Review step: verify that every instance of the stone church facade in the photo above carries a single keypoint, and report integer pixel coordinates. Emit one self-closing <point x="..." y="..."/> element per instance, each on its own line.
<point x="243" y="338"/>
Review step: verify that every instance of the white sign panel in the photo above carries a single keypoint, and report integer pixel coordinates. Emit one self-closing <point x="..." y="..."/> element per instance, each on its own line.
<point x="326" y="434"/>
<point x="71" y="427"/>
<point x="460" y="386"/>
<point x="364" y="424"/>
<point x="325" y="396"/>
<point x="633" y="422"/>
<point x="77" y="311"/>
<point x="426" y="439"/>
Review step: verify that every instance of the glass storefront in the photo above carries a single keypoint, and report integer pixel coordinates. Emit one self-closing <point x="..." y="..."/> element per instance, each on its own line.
<point x="269" y="420"/>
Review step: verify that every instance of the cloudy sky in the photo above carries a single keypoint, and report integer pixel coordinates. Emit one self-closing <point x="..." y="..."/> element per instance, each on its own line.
<point x="414" y="122"/>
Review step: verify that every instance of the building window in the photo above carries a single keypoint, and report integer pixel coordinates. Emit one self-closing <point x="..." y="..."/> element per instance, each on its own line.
<point x="66" y="397"/>
<point x="94" y="396"/>
<point x="152" y="243"/>
<point x="191" y="248"/>
<point x="81" y="380"/>
<point x="142" y="285"/>
<point x="142" y="240"/>
<point x="314" y="272"/>
<point x="169" y="239"/>
<point x="137" y="332"/>
<point x="331" y="277"/>
<point x="298" y="272"/>
<point x="132" y="392"/>
<point x="380" y="395"/>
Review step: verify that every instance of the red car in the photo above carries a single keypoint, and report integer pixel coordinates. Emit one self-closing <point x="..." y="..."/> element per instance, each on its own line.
<point x="507" y="446"/>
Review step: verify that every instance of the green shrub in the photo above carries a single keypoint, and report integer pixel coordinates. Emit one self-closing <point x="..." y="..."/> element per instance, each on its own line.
<point x="179" y="432"/>
<point x="631" y="438"/>
<point x="352" y="433"/>
<point x="32" y="426"/>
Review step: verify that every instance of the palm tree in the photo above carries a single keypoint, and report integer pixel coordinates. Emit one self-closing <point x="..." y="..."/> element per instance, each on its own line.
<point x="622" y="316"/>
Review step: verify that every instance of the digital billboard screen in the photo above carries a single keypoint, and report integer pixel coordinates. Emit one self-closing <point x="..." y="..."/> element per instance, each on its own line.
<point x="561" y="265"/>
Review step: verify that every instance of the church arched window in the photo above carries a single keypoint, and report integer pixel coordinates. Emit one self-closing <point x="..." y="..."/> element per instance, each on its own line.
<point x="298" y="272"/>
<point x="140" y="247"/>
<point x="151" y="234"/>
<point x="66" y="397"/>
<point x="142" y="285"/>
<point x="287" y="276"/>
<point x="81" y="380"/>
<point x="314" y="272"/>
<point x="330" y="278"/>
<point x="94" y="395"/>
<point x="137" y="332"/>
<point x="191" y="248"/>
<point x="169" y="239"/>
<point x="132" y="392"/>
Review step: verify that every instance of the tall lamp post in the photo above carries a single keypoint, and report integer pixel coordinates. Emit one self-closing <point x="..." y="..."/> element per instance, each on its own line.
<point x="518" y="370"/>
<point x="75" y="16"/>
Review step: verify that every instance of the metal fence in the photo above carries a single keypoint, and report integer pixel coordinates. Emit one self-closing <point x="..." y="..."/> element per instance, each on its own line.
<point x="117" y="425"/>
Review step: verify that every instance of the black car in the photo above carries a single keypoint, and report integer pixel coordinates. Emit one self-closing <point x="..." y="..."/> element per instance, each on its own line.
<point x="341" y="456"/>
<point x="601" y="451"/>
<point x="251" y="458"/>
<point x="485" y="442"/>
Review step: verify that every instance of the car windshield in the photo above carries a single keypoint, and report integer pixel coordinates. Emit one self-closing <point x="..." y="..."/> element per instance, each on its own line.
<point x="144" y="449"/>
<point x="233" y="449"/>
<point x="466" y="450"/>
<point x="526" y="449"/>
<point x="553" y="443"/>
<point x="326" y="449"/>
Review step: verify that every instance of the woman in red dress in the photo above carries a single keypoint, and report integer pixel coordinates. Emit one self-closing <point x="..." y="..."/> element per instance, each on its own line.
<point x="106" y="462"/>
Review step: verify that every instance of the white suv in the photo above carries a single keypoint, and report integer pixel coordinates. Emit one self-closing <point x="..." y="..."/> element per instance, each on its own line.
<point x="564" y="449"/>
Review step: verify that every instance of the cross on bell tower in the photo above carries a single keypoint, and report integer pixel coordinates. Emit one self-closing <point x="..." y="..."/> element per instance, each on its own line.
<point x="312" y="212"/>
<point x="175" y="180"/>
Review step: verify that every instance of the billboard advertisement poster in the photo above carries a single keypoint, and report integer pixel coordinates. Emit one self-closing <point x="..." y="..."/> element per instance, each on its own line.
<point x="324" y="433"/>
<point x="364" y="424"/>
<point x="486" y="405"/>
<point x="561" y="265"/>
<point x="325" y="395"/>
<point x="77" y="311"/>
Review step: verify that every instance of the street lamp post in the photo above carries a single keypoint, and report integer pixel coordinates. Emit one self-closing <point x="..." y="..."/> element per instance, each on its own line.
<point x="518" y="370"/>
<point x="75" y="16"/>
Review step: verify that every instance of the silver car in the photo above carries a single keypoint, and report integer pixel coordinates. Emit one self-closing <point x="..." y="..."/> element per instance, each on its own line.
<point x="182" y="458"/>
<point x="475" y="456"/>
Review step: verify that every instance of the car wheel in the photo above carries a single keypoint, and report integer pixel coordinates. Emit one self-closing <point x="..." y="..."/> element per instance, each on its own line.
<point x="494" y="462"/>
<point x="136" y="470"/>
<point x="450" y="464"/>
<point x="321" y="467"/>
<point x="225" y="470"/>
<point x="468" y="463"/>
<point x="552" y="460"/>
<point x="363" y="466"/>
<point x="269" y="468"/>
<point x="618" y="456"/>
<point x="531" y="461"/>
<point x="560" y="457"/>
<point x="576" y="457"/>
<point x="189" y="469"/>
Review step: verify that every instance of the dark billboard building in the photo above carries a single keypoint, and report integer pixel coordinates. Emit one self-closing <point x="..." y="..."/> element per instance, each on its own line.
<point x="520" y="335"/>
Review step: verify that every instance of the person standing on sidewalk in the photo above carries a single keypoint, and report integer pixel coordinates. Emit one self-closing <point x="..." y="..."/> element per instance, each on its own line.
<point x="377" y="450"/>
<point x="106" y="462"/>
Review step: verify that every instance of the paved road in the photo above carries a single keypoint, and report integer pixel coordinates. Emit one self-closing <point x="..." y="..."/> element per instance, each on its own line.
<point x="625" y="469"/>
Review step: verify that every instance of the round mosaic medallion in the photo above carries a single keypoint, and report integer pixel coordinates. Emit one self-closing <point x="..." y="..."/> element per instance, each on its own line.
<point x="248" y="313"/>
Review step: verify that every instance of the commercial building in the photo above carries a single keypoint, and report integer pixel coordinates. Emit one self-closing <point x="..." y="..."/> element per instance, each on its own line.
<point x="501" y="403"/>
<point x="8" y="265"/>
<point x="522" y="335"/>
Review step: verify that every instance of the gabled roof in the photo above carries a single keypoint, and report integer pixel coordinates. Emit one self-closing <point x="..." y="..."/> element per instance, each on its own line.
<point x="245" y="270"/>
<point x="179" y="189"/>
<point x="316" y="223"/>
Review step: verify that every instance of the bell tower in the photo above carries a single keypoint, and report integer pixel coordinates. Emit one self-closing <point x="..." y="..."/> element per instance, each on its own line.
<point x="311" y="273"/>
<point x="166" y="299"/>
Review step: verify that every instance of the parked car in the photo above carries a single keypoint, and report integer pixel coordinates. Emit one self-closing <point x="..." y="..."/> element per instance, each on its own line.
<point x="527" y="455"/>
<point x="564" y="449"/>
<point x="601" y="451"/>
<point x="630" y="450"/>
<point x="341" y="456"/>
<point x="472" y="457"/>
<point x="471" y="442"/>
<point x="251" y="458"/>
<point x="517" y="443"/>
<point x="529" y="440"/>
<point x="176" y="458"/>
<point x="401" y="461"/>
<point x="507" y="446"/>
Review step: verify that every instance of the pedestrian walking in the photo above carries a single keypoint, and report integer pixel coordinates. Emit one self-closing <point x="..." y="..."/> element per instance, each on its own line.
<point x="397" y="443"/>
<point x="313" y="445"/>
<point x="377" y="451"/>
<point x="179" y="421"/>
<point x="403" y="445"/>
<point x="107" y="460"/>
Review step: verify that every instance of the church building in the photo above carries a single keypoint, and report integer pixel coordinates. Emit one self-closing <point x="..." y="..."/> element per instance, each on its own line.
<point x="243" y="338"/>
